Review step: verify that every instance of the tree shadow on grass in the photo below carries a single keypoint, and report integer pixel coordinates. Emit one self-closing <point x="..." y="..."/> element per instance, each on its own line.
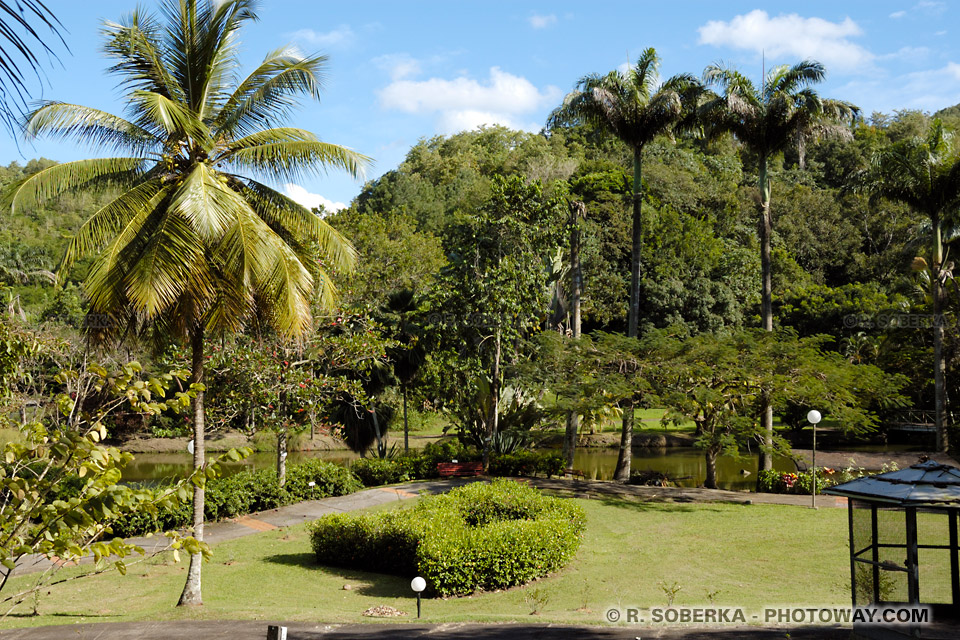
<point x="378" y="585"/>
<point x="677" y="506"/>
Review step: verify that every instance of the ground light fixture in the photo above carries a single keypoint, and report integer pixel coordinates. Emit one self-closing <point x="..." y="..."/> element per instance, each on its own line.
<point x="813" y="417"/>
<point x="418" y="584"/>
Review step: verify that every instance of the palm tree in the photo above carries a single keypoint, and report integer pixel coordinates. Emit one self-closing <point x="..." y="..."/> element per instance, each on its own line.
<point x="784" y="112"/>
<point x="189" y="246"/>
<point x="634" y="107"/>
<point x="924" y="174"/>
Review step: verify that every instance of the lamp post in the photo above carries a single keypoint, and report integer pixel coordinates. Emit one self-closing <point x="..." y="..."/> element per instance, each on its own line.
<point x="814" y="417"/>
<point x="418" y="584"/>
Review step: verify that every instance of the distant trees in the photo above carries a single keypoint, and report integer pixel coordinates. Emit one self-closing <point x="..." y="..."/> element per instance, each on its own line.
<point x="636" y="108"/>
<point x="783" y="112"/>
<point x="923" y="172"/>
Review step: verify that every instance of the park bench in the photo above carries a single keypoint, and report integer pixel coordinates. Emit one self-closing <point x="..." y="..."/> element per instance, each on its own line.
<point x="451" y="469"/>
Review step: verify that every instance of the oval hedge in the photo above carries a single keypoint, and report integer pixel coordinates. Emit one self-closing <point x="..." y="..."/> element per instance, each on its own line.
<point x="476" y="538"/>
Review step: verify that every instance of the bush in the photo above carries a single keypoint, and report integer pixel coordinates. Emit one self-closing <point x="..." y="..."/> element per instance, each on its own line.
<point x="795" y="483"/>
<point x="478" y="537"/>
<point x="527" y="463"/>
<point x="377" y="471"/>
<point x="246" y="492"/>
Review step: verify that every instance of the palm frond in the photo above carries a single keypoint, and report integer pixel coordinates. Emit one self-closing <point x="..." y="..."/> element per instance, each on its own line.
<point x="165" y="116"/>
<point x="136" y="45"/>
<point x="94" y="127"/>
<point x="280" y="212"/>
<point x="295" y="160"/>
<point x="71" y="176"/>
<point x="268" y="95"/>
<point x="111" y="221"/>
<point x="200" y="199"/>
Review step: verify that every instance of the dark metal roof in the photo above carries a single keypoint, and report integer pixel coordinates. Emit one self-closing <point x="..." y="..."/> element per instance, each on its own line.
<point x="925" y="483"/>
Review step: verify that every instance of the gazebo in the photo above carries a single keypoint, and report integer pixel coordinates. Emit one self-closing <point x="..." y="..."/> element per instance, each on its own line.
<point x="903" y="545"/>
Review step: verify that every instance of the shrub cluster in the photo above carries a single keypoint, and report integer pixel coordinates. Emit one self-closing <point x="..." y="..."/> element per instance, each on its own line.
<point x="421" y="466"/>
<point x="796" y="483"/>
<point x="246" y="492"/>
<point x="478" y="537"/>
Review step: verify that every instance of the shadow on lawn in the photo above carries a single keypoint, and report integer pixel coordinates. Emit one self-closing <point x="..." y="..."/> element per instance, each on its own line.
<point x="678" y="506"/>
<point x="378" y="585"/>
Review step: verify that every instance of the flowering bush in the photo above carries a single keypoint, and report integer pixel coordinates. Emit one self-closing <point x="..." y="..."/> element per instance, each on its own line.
<point x="797" y="483"/>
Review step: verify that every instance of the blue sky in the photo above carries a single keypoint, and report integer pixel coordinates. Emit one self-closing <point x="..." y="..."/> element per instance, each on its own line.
<point x="401" y="71"/>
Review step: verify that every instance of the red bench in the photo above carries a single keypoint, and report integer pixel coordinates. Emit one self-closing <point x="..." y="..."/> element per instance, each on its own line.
<point x="450" y="469"/>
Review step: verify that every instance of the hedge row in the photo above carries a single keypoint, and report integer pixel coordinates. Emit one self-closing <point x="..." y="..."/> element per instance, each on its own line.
<point x="374" y="472"/>
<point x="247" y="492"/>
<point x="478" y="537"/>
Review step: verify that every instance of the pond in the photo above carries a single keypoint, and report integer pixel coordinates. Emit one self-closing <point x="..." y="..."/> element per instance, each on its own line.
<point x="684" y="464"/>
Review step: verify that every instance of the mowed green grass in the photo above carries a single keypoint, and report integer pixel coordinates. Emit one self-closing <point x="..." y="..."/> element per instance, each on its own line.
<point x="744" y="555"/>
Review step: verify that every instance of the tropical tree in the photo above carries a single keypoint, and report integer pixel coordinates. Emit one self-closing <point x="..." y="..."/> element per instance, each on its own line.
<point x="923" y="172"/>
<point x="190" y="246"/>
<point x="783" y="112"/>
<point x="635" y="108"/>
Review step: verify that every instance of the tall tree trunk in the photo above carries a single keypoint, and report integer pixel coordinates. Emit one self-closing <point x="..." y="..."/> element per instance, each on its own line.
<point x="493" y="422"/>
<point x="939" y="371"/>
<point x="282" y="457"/>
<point x="766" y="306"/>
<point x="406" y="425"/>
<point x="622" y="473"/>
<point x="191" y="594"/>
<point x="711" y="459"/>
<point x="376" y="432"/>
<point x="573" y="419"/>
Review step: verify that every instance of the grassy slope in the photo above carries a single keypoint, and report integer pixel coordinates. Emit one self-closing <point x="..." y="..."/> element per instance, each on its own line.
<point x="753" y="555"/>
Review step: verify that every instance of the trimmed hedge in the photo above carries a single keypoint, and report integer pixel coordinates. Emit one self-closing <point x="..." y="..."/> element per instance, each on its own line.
<point x="478" y="537"/>
<point x="247" y="492"/>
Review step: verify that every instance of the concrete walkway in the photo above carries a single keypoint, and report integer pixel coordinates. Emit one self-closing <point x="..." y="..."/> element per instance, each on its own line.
<point x="289" y="515"/>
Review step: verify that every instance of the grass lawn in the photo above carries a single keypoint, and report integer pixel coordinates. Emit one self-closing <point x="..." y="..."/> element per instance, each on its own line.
<point x="745" y="555"/>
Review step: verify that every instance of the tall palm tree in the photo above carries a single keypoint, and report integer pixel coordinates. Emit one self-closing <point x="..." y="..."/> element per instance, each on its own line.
<point x="924" y="174"/>
<point x="784" y="112"/>
<point x="636" y="108"/>
<point x="190" y="246"/>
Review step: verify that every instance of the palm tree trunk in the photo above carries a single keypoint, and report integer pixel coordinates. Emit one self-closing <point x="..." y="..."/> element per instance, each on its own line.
<point x="766" y="306"/>
<point x="573" y="419"/>
<point x="939" y="371"/>
<point x="191" y="594"/>
<point x="622" y="473"/>
<point x="281" y="457"/>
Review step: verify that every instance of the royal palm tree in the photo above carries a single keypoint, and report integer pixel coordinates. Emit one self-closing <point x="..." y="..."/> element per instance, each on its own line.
<point x="190" y="246"/>
<point x="924" y="174"/>
<point x="784" y="112"/>
<point x="635" y="107"/>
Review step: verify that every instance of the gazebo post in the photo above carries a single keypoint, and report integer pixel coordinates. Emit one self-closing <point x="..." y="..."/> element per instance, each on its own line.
<point x="913" y="560"/>
<point x="954" y="560"/>
<point x="875" y="551"/>
<point x="853" y="551"/>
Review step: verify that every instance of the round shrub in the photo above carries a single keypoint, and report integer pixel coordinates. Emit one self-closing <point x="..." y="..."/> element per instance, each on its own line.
<point x="478" y="537"/>
<point x="373" y="472"/>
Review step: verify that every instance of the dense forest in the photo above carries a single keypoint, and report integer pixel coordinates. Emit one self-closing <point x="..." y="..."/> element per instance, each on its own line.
<point x="845" y="263"/>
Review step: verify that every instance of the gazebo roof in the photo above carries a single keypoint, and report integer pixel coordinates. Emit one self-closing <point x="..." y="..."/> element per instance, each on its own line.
<point x="925" y="483"/>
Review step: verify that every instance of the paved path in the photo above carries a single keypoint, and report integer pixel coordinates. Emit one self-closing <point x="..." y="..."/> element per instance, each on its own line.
<point x="256" y="630"/>
<point x="289" y="515"/>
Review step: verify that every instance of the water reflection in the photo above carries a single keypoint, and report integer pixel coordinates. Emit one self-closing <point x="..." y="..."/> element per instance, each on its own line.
<point x="684" y="465"/>
<point x="155" y="467"/>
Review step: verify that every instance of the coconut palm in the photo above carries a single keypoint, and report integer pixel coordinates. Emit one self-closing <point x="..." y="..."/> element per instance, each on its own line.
<point x="924" y="174"/>
<point x="190" y="246"/>
<point x="636" y="108"/>
<point x="784" y="112"/>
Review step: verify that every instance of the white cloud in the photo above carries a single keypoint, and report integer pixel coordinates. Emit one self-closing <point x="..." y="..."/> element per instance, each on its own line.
<point x="310" y="200"/>
<point x="790" y="35"/>
<point x="898" y="14"/>
<point x="542" y="22"/>
<point x="398" y="65"/>
<point x="927" y="90"/>
<point x="341" y="36"/>
<point x="465" y="103"/>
